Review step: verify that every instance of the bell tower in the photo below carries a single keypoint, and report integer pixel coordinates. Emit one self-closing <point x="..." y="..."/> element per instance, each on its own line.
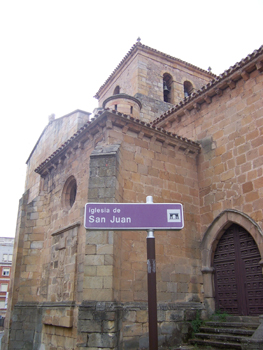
<point x="158" y="81"/>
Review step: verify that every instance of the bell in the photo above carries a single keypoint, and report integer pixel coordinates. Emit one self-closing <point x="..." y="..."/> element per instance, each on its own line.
<point x="165" y="88"/>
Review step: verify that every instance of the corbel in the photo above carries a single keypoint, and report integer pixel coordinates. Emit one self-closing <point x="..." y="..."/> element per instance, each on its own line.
<point x="208" y="99"/>
<point x="168" y="124"/>
<point x="68" y="153"/>
<point x="140" y="135"/>
<point x="108" y="124"/>
<point x="186" y="112"/>
<point x="125" y="129"/>
<point x="244" y="75"/>
<point x="259" y="66"/>
<point x="44" y="174"/>
<point x="165" y="143"/>
<point x="197" y="106"/>
<point x="81" y="144"/>
<point x="231" y="84"/>
<point x="219" y="92"/>
<point x="153" y="138"/>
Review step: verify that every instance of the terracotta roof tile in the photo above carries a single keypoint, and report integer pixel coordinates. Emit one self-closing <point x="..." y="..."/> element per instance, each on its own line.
<point x="81" y="131"/>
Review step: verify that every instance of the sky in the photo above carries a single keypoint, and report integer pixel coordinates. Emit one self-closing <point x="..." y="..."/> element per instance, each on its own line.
<point x="55" y="55"/>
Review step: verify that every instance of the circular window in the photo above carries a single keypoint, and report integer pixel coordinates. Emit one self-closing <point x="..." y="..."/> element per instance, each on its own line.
<point x="69" y="192"/>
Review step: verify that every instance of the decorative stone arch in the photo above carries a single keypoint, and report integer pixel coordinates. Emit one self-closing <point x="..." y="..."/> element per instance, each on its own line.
<point x="210" y="240"/>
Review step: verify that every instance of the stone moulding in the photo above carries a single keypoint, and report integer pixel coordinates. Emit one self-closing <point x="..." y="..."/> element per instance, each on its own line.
<point x="67" y="228"/>
<point x="209" y="243"/>
<point x="122" y="96"/>
<point x="56" y="314"/>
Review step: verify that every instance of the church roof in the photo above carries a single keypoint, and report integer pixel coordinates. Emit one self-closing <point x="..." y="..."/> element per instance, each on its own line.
<point x="140" y="47"/>
<point x="228" y="78"/>
<point x="79" y="136"/>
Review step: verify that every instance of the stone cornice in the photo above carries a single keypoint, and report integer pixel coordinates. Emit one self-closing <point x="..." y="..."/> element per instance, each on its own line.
<point x="121" y="96"/>
<point x="216" y="87"/>
<point x="140" y="47"/>
<point x="107" y="119"/>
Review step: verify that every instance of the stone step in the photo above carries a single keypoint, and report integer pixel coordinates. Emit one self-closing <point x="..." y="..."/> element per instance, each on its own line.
<point x="242" y="325"/>
<point x="239" y="331"/>
<point x="246" y="319"/>
<point x="215" y="344"/>
<point x="221" y="337"/>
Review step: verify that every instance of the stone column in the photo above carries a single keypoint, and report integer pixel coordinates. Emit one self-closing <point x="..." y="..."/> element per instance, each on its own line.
<point x="99" y="317"/>
<point x="208" y="278"/>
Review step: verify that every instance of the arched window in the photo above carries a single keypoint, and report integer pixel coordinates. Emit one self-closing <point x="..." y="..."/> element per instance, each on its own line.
<point x="188" y="88"/>
<point x="116" y="90"/>
<point x="69" y="192"/>
<point x="167" y="87"/>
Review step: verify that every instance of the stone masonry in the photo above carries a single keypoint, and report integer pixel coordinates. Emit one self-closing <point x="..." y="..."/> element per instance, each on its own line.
<point x="74" y="288"/>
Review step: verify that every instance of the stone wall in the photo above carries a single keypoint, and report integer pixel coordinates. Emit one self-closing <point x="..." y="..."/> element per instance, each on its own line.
<point x="230" y="166"/>
<point x="149" y="167"/>
<point x="63" y="266"/>
<point x="53" y="136"/>
<point x="125" y="325"/>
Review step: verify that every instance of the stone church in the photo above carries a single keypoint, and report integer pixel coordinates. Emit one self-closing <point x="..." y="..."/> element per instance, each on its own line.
<point x="163" y="128"/>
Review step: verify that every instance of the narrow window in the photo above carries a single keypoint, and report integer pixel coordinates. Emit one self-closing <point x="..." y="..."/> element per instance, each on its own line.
<point x="188" y="88"/>
<point x="115" y="107"/>
<point x="73" y="192"/>
<point x="69" y="192"/>
<point x="116" y="90"/>
<point x="167" y="88"/>
<point x="131" y="109"/>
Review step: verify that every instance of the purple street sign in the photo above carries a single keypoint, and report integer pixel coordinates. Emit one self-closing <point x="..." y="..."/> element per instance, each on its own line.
<point x="127" y="216"/>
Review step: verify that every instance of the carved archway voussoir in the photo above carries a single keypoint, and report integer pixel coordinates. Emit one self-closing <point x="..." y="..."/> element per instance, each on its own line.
<point x="209" y="243"/>
<point x="219" y="225"/>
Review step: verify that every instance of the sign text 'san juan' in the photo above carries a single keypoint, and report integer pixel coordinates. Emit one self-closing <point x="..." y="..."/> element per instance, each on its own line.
<point x="122" y="216"/>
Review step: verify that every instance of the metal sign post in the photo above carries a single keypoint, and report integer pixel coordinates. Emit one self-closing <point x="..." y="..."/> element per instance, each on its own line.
<point x="139" y="216"/>
<point x="152" y="296"/>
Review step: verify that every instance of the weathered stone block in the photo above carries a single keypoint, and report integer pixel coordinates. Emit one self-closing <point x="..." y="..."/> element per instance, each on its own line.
<point x="103" y="340"/>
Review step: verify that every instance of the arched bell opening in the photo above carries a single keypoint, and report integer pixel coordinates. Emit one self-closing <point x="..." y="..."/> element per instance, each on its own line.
<point x="167" y="88"/>
<point x="188" y="88"/>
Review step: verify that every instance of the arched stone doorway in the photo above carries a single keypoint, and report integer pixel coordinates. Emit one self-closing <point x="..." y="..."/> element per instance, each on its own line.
<point x="237" y="274"/>
<point x="210" y="243"/>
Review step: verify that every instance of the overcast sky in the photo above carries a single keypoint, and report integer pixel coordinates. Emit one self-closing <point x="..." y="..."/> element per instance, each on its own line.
<point x="56" y="54"/>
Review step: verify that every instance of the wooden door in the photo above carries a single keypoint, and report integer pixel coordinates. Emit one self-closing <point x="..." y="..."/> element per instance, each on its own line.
<point x="238" y="275"/>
